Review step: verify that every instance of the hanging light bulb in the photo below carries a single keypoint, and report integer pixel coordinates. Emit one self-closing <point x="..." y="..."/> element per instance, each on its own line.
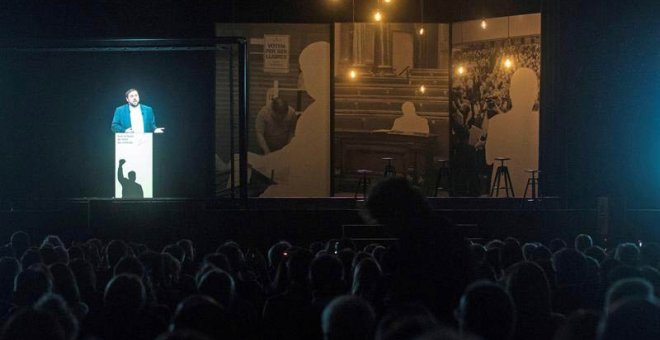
<point x="352" y="74"/>
<point x="378" y="16"/>
<point x="421" y="30"/>
<point x="508" y="63"/>
<point x="422" y="89"/>
<point x="483" y="24"/>
<point x="460" y="70"/>
<point x="388" y="1"/>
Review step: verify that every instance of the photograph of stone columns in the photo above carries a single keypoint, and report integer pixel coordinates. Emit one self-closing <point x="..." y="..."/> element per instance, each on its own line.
<point x="391" y="113"/>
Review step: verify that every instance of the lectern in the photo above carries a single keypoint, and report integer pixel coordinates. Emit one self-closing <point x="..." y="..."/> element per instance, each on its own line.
<point x="137" y="172"/>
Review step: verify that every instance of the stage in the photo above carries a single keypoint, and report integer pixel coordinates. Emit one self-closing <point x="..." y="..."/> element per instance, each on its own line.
<point x="261" y="222"/>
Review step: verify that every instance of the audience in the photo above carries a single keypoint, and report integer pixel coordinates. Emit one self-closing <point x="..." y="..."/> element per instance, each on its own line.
<point x="428" y="284"/>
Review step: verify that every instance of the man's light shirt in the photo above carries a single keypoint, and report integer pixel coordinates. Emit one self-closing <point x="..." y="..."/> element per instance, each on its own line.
<point x="137" y="122"/>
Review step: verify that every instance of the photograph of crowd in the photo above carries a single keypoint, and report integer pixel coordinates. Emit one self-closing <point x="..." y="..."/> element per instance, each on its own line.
<point x="481" y="90"/>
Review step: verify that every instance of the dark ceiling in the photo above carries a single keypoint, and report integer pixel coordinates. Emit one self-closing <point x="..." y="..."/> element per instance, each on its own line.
<point x="195" y="18"/>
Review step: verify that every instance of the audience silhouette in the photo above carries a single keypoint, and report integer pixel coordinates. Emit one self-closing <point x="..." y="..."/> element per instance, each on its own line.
<point x="428" y="283"/>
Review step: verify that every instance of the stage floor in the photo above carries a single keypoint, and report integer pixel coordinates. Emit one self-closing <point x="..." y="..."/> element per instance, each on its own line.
<point x="259" y="222"/>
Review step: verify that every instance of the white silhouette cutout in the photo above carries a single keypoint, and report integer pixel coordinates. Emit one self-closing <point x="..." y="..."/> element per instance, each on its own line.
<point x="302" y="167"/>
<point x="515" y="134"/>
<point x="410" y="122"/>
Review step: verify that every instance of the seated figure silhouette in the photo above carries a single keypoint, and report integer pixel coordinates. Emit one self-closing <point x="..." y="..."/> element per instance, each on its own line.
<point x="129" y="188"/>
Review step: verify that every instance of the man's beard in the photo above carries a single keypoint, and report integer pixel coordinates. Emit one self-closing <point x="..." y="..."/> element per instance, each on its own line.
<point x="134" y="105"/>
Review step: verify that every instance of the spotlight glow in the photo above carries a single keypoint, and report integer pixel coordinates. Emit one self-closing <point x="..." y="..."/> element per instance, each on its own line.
<point x="352" y="74"/>
<point x="422" y="89"/>
<point x="483" y="24"/>
<point x="421" y="31"/>
<point x="460" y="70"/>
<point x="508" y="63"/>
<point x="378" y="16"/>
<point x="388" y="1"/>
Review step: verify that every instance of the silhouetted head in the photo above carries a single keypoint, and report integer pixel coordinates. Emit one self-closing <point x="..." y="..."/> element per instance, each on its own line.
<point x="84" y="274"/>
<point x="131" y="176"/>
<point x="405" y="322"/>
<point x="326" y="272"/>
<point x="632" y="319"/>
<point x="125" y="293"/>
<point x="649" y="254"/>
<point x="219" y="285"/>
<point x="527" y="250"/>
<point x="52" y="240"/>
<point x="570" y="267"/>
<point x="529" y="288"/>
<point x="297" y="265"/>
<point x="627" y="253"/>
<point x="30" y="257"/>
<point x="30" y="324"/>
<point x="366" y="276"/>
<point x="176" y="251"/>
<point x="20" y="241"/>
<point x="510" y="254"/>
<point x="129" y="265"/>
<point x="234" y="255"/>
<point x="395" y="203"/>
<point x="217" y="260"/>
<point x="596" y="252"/>
<point x="171" y="269"/>
<point x="582" y="242"/>
<point x="556" y="245"/>
<point x="487" y="310"/>
<point x="348" y="317"/>
<point x="48" y="254"/>
<point x="188" y="249"/>
<point x="184" y="334"/>
<point x="280" y="108"/>
<point x="115" y="251"/>
<point x="57" y="307"/>
<point x="31" y="284"/>
<point x="581" y="324"/>
<point x="64" y="283"/>
<point x="9" y="268"/>
<point x="632" y="288"/>
<point x="201" y="313"/>
<point x="276" y="253"/>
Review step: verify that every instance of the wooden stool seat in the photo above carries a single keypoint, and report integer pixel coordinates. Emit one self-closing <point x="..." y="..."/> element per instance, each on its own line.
<point x="533" y="183"/>
<point x="502" y="172"/>
<point x="390" y="171"/>
<point x="363" y="182"/>
<point x="443" y="174"/>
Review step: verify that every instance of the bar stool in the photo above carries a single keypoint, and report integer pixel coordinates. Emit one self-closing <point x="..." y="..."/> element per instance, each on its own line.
<point x="390" y="171"/>
<point x="533" y="182"/>
<point x="443" y="173"/>
<point x="363" y="183"/>
<point x="502" y="171"/>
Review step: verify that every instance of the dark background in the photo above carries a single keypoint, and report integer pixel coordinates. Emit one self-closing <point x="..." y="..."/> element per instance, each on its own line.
<point x="58" y="106"/>
<point x="600" y="74"/>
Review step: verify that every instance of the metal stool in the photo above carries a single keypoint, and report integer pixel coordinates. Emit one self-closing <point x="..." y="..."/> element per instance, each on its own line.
<point x="502" y="171"/>
<point x="389" y="168"/>
<point x="532" y="182"/>
<point x="443" y="173"/>
<point x="363" y="183"/>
